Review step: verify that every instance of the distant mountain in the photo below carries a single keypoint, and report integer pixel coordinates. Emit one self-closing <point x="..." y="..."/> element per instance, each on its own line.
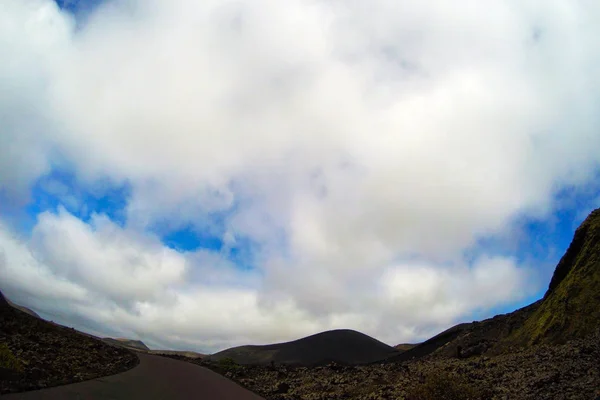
<point x="342" y="346"/>
<point x="182" y="353"/>
<point x="405" y="346"/>
<point x="6" y="302"/>
<point x="24" y="309"/>
<point x="570" y="309"/>
<point x="140" y="346"/>
<point x="127" y="343"/>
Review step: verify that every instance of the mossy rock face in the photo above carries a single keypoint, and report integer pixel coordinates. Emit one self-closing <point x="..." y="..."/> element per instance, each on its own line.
<point x="571" y="306"/>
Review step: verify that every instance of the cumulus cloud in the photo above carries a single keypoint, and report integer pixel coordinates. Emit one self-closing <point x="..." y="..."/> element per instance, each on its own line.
<point x="122" y="265"/>
<point x="360" y="152"/>
<point x="26" y="44"/>
<point x="108" y="280"/>
<point x="102" y="279"/>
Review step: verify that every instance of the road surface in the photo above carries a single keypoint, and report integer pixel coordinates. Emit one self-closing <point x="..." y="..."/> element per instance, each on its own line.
<point x="154" y="378"/>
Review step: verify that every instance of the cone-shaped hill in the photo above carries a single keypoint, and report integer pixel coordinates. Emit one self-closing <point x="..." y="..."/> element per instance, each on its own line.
<point x="342" y="346"/>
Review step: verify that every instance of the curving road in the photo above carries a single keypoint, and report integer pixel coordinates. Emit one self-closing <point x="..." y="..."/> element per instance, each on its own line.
<point x="154" y="378"/>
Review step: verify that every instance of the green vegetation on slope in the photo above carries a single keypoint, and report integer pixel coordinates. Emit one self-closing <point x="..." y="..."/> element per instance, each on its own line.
<point x="571" y="306"/>
<point x="8" y="359"/>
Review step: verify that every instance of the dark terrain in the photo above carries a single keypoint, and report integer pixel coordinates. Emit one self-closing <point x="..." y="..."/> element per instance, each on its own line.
<point x="342" y="346"/>
<point x="569" y="371"/>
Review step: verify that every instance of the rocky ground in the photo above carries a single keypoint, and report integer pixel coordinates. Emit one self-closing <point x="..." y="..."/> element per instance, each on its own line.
<point x="569" y="371"/>
<point x="36" y="354"/>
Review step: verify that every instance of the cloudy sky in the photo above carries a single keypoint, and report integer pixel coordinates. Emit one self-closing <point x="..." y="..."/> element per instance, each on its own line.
<point x="206" y="174"/>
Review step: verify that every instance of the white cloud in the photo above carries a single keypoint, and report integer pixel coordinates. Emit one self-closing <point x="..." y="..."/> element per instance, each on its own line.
<point x="21" y="271"/>
<point x="105" y="279"/>
<point x="125" y="283"/>
<point x="28" y="39"/>
<point x="342" y="143"/>
<point x="122" y="265"/>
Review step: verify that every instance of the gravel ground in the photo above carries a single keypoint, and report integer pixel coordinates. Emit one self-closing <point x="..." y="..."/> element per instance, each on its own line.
<point x="568" y="371"/>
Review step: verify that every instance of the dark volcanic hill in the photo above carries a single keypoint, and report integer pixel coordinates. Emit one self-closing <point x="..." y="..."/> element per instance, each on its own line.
<point x="570" y="309"/>
<point x="342" y="346"/>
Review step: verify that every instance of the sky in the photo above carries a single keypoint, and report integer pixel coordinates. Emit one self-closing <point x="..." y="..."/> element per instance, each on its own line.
<point x="201" y="175"/>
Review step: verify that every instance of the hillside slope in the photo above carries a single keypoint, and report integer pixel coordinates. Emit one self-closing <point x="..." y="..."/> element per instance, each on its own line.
<point x="5" y="301"/>
<point x="24" y="309"/>
<point x="48" y="354"/>
<point x="343" y="346"/>
<point x="571" y="307"/>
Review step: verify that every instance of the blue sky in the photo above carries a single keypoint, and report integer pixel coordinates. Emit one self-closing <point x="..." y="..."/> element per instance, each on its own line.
<point x="79" y="8"/>
<point x="204" y="175"/>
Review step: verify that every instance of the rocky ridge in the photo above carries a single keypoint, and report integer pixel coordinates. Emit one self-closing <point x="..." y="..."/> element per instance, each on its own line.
<point x="39" y="354"/>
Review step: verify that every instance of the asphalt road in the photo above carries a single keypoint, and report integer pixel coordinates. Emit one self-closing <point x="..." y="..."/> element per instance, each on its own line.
<point x="154" y="378"/>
